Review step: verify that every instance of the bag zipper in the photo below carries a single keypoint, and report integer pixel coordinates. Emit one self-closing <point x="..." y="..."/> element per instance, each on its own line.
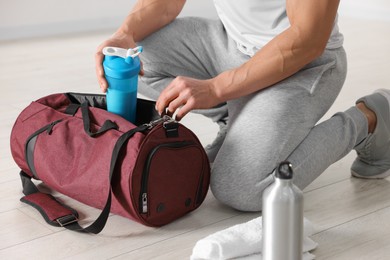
<point x="145" y="175"/>
<point x="164" y="120"/>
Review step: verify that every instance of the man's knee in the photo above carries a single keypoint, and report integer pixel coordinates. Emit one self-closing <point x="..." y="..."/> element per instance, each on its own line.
<point x="238" y="192"/>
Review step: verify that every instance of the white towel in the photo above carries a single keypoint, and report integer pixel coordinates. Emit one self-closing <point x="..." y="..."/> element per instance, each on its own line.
<point x="244" y="242"/>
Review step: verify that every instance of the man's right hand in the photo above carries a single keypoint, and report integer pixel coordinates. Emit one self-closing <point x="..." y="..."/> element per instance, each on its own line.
<point x="146" y="17"/>
<point x="116" y="40"/>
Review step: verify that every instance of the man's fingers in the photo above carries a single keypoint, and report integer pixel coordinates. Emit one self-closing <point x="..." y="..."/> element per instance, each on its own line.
<point x="177" y="97"/>
<point x="100" y="71"/>
<point x="184" y="110"/>
<point x="165" y="98"/>
<point x="179" y="106"/>
<point x="141" y="71"/>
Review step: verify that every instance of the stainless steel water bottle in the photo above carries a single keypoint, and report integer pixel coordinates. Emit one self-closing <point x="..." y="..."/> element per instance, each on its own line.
<point x="282" y="217"/>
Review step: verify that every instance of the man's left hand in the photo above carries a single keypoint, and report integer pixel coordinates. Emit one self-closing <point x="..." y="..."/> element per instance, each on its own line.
<point x="185" y="94"/>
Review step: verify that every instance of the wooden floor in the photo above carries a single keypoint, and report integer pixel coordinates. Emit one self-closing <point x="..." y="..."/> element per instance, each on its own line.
<point x="351" y="216"/>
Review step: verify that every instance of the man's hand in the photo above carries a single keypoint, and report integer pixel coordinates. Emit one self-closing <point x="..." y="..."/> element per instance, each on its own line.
<point x="117" y="40"/>
<point x="146" y="17"/>
<point x="185" y="94"/>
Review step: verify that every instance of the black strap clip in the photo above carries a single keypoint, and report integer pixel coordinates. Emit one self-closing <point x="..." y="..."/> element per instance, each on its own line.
<point x="171" y="129"/>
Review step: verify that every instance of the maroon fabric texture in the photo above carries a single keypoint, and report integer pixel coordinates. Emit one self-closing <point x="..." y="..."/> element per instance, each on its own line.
<point x="77" y="165"/>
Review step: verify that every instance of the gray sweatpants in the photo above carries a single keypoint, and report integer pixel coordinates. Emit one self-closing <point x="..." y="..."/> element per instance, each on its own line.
<point x="264" y="128"/>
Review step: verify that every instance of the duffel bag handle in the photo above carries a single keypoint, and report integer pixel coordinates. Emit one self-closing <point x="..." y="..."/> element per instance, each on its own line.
<point x="108" y="124"/>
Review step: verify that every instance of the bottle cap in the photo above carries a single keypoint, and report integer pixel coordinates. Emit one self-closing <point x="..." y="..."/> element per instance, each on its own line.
<point x="120" y="52"/>
<point x="284" y="171"/>
<point x="121" y="63"/>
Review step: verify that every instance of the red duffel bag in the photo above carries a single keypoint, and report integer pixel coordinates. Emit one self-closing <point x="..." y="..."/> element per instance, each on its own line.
<point x="152" y="172"/>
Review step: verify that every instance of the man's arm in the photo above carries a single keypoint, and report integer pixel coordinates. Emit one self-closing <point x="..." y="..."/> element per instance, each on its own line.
<point x="305" y="40"/>
<point x="146" y="17"/>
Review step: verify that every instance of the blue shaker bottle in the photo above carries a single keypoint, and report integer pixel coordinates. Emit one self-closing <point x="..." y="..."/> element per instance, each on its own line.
<point x="121" y="68"/>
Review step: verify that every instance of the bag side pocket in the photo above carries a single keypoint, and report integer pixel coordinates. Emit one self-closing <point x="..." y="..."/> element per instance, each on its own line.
<point x="171" y="182"/>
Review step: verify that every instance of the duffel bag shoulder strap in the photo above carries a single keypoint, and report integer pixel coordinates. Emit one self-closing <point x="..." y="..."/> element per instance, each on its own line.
<point x="56" y="213"/>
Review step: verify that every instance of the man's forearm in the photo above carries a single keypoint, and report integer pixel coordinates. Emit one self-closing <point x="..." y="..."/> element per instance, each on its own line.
<point x="148" y="16"/>
<point x="305" y="40"/>
<point x="275" y="62"/>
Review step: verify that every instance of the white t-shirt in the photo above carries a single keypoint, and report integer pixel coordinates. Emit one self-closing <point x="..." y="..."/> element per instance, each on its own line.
<point x="253" y="23"/>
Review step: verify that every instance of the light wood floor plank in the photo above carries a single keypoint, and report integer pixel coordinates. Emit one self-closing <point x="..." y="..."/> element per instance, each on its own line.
<point x="10" y="195"/>
<point x="180" y="247"/>
<point x="16" y="229"/>
<point x="365" y="237"/>
<point x="343" y="201"/>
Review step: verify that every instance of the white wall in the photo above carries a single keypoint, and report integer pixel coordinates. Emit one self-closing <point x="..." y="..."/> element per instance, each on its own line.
<point x="366" y="9"/>
<point x="32" y="18"/>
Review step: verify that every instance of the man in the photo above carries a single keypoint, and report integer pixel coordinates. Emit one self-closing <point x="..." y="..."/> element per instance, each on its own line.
<point x="266" y="72"/>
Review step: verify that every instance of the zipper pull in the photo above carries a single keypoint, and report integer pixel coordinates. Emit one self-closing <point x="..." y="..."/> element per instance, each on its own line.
<point x="144" y="202"/>
<point x="163" y="119"/>
<point x="50" y="127"/>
